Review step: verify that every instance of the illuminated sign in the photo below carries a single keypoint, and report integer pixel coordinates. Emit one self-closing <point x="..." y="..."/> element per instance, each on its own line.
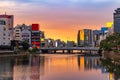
<point x="103" y="29"/>
<point x="109" y="24"/>
<point x="42" y="40"/>
<point x="35" y="27"/>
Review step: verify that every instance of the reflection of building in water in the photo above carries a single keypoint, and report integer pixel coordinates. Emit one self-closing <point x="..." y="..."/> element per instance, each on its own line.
<point x="29" y="68"/>
<point x="111" y="76"/>
<point x="22" y="70"/>
<point x="6" y="68"/>
<point x="42" y="65"/>
<point x="92" y="63"/>
<point x="81" y="63"/>
<point x="88" y="63"/>
<point x="35" y="68"/>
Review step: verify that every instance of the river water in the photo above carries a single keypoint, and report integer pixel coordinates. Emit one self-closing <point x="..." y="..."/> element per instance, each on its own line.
<point x="53" y="67"/>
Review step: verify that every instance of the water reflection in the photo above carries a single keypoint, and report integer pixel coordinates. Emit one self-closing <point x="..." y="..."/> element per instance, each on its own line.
<point x="57" y="67"/>
<point x="113" y="67"/>
<point x="6" y="68"/>
<point x="88" y="63"/>
<point x="28" y="67"/>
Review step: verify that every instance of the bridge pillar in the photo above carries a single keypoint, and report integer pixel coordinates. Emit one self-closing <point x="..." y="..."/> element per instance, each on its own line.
<point x="68" y="51"/>
<point x="63" y="51"/>
<point x="81" y="51"/>
<point x="71" y="51"/>
<point x="44" y="51"/>
<point x="54" y="51"/>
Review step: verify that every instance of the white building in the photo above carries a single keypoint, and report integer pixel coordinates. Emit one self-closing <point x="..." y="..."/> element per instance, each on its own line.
<point x="26" y="35"/>
<point x="8" y="23"/>
<point x="17" y="34"/>
<point x="6" y="29"/>
<point x="23" y="33"/>
<point x="4" y="35"/>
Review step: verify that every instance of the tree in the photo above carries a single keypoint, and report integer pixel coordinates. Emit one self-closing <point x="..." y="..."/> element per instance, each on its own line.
<point x="111" y="42"/>
<point x="25" y="45"/>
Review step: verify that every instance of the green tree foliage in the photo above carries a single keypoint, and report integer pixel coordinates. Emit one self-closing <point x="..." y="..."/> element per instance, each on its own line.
<point x="111" y="43"/>
<point x="25" y="45"/>
<point x="112" y="67"/>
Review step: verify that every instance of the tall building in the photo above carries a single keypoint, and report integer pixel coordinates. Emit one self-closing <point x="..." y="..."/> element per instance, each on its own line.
<point x="6" y="29"/>
<point x="117" y="21"/>
<point x="4" y="35"/>
<point x="96" y="35"/>
<point x="35" y="36"/>
<point x="85" y="37"/>
<point x="7" y="21"/>
<point x="78" y="38"/>
<point x="42" y="38"/>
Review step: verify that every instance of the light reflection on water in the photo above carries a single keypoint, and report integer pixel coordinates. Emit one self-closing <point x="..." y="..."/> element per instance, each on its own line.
<point x="52" y="67"/>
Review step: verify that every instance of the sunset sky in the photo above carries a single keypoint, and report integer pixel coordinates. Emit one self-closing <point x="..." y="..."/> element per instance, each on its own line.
<point x="61" y="18"/>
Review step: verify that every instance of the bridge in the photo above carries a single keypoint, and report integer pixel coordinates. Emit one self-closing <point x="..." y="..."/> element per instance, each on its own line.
<point x="68" y="49"/>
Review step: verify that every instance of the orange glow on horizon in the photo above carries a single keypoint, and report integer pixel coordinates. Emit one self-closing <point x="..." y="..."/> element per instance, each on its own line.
<point x="54" y="31"/>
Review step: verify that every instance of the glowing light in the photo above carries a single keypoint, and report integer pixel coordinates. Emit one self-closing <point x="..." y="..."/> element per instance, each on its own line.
<point x="82" y="63"/>
<point x="42" y="40"/>
<point x="109" y="24"/>
<point x="111" y="76"/>
<point x="82" y="35"/>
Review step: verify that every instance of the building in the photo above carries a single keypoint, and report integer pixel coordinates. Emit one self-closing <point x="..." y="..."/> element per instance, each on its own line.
<point x="117" y="20"/>
<point x="96" y="35"/>
<point x="85" y="37"/>
<point x="42" y="38"/>
<point x="35" y="36"/>
<point x="22" y="33"/>
<point x="6" y="29"/>
<point x="104" y="33"/>
<point x="7" y="21"/>
<point x="71" y="44"/>
<point x="109" y="25"/>
<point x="26" y="36"/>
<point x="17" y="34"/>
<point x="4" y="35"/>
<point x="78" y="38"/>
<point x="59" y="43"/>
<point x="21" y="29"/>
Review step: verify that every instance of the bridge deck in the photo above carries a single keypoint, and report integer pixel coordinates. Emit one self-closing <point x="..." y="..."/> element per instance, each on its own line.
<point x="71" y="48"/>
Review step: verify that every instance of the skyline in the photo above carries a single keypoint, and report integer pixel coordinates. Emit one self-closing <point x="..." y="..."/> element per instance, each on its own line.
<point x="61" y="19"/>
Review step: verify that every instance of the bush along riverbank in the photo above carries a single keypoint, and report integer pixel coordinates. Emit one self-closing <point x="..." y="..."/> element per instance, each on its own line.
<point x="110" y="47"/>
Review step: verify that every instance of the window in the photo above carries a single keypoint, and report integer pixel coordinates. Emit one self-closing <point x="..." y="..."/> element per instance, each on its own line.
<point x="3" y="43"/>
<point x="4" y="29"/>
<point x="3" y="34"/>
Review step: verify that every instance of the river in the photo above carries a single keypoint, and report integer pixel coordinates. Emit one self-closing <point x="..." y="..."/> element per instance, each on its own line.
<point x="53" y="67"/>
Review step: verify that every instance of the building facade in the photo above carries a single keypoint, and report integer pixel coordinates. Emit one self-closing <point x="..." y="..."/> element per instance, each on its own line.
<point x="19" y="29"/>
<point x="96" y="37"/>
<point x="42" y="38"/>
<point x="22" y="33"/>
<point x="35" y="36"/>
<point x="4" y="36"/>
<point x="8" y="21"/>
<point x="78" y="38"/>
<point x="85" y="37"/>
<point x="117" y="20"/>
<point x="6" y="29"/>
<point x="26" y="36"/>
